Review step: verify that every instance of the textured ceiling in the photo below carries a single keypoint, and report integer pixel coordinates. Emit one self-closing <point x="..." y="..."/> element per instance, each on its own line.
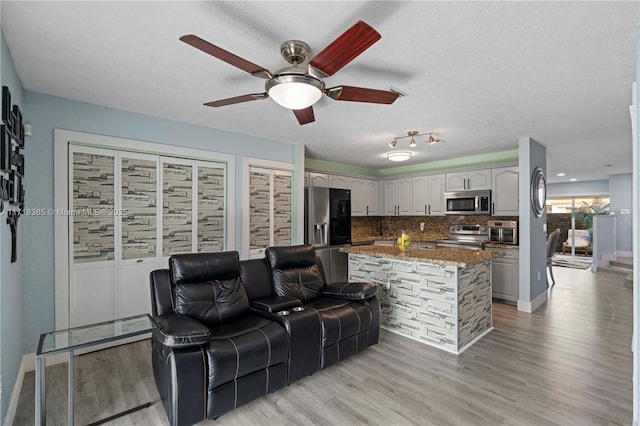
<point x="480" y="74"/>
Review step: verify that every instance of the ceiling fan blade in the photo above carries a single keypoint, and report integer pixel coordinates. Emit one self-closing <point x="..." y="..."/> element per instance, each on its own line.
<point x="361" y="94"/>
<point x="345" y="48"/>
<point x="228" y="57"/>
<point x="238" y="99"/>
<point x="305" y="116"/>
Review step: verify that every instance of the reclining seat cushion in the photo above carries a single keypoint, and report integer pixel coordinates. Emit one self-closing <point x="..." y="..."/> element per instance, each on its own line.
<point x="242" y="346"/>
<point x="207" y="286"/>
<point x="294" y="272"/>
<point x="341" y="318"/>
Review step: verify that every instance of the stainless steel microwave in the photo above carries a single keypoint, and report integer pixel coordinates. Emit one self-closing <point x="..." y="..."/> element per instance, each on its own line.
<point x="468" y="202"/>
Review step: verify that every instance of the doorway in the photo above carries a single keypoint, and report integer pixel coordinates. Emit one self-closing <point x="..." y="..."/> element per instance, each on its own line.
<point x="574" y="217"/>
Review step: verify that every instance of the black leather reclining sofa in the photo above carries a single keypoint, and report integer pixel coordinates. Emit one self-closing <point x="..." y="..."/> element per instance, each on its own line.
<point x="229" y="331"/>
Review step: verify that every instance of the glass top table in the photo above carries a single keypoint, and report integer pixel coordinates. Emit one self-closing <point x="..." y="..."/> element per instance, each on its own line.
<point x="75" y="338"/>
<point x="93" y="334"/>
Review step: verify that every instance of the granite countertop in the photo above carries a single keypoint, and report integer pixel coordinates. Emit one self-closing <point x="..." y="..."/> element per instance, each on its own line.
<point x="421" y="237"/>
<point x="461" y="258"/>
<point x="501" y="246"/>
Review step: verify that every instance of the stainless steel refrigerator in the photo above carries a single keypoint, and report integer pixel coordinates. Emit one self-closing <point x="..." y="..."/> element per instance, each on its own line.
<point x="328" y="227"/>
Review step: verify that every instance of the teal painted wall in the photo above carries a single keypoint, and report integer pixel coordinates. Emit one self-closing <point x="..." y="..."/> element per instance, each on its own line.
<point x="11" y="280"/>
<point x="48" y="112"/>
<point x="620" y="197"/>
<point x="533" y="255"/>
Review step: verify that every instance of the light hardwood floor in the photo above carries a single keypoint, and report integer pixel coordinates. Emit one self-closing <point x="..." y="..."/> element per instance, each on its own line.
<point x="569" y="363"/>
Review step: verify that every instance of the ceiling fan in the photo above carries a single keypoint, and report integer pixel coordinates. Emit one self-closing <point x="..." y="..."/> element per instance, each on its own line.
<point x="298" y="88"/>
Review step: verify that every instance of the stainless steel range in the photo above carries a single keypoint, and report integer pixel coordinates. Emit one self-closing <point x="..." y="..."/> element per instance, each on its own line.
<point x="465" y="237"/>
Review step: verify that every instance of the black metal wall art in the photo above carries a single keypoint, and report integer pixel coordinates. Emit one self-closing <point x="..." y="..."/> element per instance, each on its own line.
<point x="11" y="165"/>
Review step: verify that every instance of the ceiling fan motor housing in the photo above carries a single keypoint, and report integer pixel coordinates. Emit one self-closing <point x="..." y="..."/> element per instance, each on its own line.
<point x="295" y="51"/>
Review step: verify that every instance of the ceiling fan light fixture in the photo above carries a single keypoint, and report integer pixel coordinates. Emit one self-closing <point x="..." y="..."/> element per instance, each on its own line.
<point x="393" y="142"/>
<point x="412" y="144"/>
<point x="399" y="155"/>
<point x="295" y="91"/>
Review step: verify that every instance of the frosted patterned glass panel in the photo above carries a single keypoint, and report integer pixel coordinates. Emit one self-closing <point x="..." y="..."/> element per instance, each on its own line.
<point x="93" y="184"/>
<point x="210" y="209"/>
<point x="259" y="210"/>
<point x="139" y="185"/>
<point x="176" y="209"/>
<point x="281" y="210"/>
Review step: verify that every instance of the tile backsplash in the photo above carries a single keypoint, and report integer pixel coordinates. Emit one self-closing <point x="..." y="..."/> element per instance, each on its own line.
<point x="436" y="227"/>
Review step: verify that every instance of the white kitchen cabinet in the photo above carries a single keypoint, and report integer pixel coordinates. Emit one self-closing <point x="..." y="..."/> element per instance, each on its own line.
<point x="424" y="246"/>
<point x="371" y="187"/>
<point x="387" y="243"/>
<point x="364" y="197"/>
<point x="398" y="197"/>
<point x="470" y="180"/>
<point x="319" y="179"/>
<point x="504" y="275"/>
<point x="505" y="191"/>
<point x="340" y="182"/>
<point x="435" y="205"/>
<point x="420" y="195"/>
<point x="427" y="195"/>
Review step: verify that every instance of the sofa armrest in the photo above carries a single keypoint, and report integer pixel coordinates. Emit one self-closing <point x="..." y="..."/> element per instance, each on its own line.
<point x="351" y="291"/>
<point x="275" y="303"/>
<point x="180" y="331"/>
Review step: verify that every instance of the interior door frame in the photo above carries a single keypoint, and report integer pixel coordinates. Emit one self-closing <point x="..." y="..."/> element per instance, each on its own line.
<point x="62" y="251"/>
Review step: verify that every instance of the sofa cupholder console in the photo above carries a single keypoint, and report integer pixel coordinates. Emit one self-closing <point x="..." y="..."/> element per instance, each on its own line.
<point x="242" y="329"/>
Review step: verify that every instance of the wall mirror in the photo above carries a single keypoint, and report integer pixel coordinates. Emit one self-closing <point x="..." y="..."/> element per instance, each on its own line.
<point x="538" y="192"/>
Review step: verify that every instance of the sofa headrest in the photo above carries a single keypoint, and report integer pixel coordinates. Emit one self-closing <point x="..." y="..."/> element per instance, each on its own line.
<point x="198" y="267"/>
<point x="286" y="257"/>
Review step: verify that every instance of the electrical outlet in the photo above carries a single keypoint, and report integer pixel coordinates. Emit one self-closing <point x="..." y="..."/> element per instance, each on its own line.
<point x="538" y="275"/>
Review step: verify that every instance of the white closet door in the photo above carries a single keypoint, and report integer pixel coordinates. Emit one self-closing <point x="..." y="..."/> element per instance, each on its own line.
<point x="259" y="212"/>
<point x="281" y="208"/>
<point x="91" y="204"/>
<point x="177" y="206"/>
<point x="137" y="217"/>
<point x="211" y="206"/>
<point x="270" y="210"/>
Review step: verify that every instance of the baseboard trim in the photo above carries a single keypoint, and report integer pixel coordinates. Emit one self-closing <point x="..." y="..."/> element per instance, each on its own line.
<point x="530" y="307"/>
<point x="28" y="359"/>
<point x="624" y="253"/>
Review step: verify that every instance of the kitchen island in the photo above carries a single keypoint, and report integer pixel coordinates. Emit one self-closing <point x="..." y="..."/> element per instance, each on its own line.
<point x="439" y="297"/>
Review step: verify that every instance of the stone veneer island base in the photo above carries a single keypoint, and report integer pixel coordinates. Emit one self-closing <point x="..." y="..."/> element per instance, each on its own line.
<point x="439" y="297"/>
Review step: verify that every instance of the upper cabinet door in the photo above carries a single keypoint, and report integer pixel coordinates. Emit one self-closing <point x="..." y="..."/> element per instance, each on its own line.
<point x="358" y="197"/>
<point x="404" y="196"/>
<point x="372" y="197"/>
<point x="456" y="181"/>
<point x="420" y="196"/>
<point x="435" y="204"/>
<point x="390" y="191"/>
<point x="319" y="179"/>
<point x="479" y="179"/>
<point x="340" y="182"/>
<point x="468" y="181"/>
<point x="505" y="191"/>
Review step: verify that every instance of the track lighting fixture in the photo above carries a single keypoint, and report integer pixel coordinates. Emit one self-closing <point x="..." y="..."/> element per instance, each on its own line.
<point x="394" y="156"/>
